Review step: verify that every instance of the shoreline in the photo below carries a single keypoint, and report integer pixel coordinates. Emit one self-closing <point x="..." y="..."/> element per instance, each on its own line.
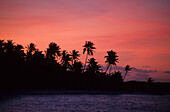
<point x="78" y="92"/>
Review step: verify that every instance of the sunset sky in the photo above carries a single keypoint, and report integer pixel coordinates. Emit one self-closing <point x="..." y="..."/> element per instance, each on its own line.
<point x="138" y="30"/>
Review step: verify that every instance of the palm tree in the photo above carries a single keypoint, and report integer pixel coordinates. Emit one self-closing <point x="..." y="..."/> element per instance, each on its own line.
<point x="38" y="57"/>
<point x="19" y="51"/>
<point x="117" y="77"/>
<point x="77" y="67"/>
<point x="74" y="56"/>
<point x="2" y="45"/>
<point x="93" y="65"/>
<point x="150" y="80"/>
<point x="30" y="50"/>
<point x="9" y="46"/>
<point x="53" y="51"/>
<point x="111" y="59"/>
<point x="89" y="47"/>
<point x="127" y="68"/>
<point x="65" y="59"/>
<point x="31" y="47"/>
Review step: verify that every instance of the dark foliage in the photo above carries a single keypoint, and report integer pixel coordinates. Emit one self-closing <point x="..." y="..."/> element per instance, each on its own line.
<point x="56" y="69"/>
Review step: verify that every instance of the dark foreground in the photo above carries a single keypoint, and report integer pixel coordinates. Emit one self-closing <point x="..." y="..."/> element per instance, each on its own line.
<point x="131" y="87"/>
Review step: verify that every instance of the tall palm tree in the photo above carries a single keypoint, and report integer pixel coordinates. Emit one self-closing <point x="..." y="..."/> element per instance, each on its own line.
<point x="74" y="56"/>
<point x="111" y="59"/>
<point x="89" y="47"/>
<point x="127" y="68"/>
<point x="53" y="51"/>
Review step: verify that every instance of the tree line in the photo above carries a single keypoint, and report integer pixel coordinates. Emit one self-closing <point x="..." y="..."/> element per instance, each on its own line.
<point x="30" y="68"/>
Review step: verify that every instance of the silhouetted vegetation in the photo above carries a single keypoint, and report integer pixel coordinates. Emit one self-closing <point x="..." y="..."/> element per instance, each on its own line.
<point x="127" y="68"/>
<point x="54" y="68"/>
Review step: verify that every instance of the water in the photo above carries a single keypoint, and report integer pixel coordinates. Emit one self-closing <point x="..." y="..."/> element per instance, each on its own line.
<point x="86" y="103"/>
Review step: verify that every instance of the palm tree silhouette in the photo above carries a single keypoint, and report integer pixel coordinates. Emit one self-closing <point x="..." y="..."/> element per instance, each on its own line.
<point x="89" y="47"/>
<point x="111" y="59"/>
<point x="127" y="68"/>
<point x="74" y="56"/>
<point x="93" y="66"/>
<point x="65" y="59"/>
<point x="2" y="45"/>
<point x="77" y="67"/>
<point x="30" y="50"/>
<point x="31" y="47"/>
<point x="38" y="56"/>
<point x="53" y="51"/>
<point x="117" y="76"/>
<point x="9" y="46"/>
<point x="19" y="51"/>
<point x="150" y="80"/>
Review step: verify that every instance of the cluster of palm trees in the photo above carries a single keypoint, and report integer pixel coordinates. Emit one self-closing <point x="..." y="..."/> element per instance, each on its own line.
<point x="111" y="59"/>
<point x="69" y="61"/>
<point x="54" y="61"/>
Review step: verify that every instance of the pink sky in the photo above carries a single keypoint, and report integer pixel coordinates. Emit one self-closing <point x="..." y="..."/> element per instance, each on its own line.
<point x="138" y="30"/>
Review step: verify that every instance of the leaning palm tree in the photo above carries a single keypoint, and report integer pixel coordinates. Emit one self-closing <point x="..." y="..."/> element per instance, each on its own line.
<point x="127" y="68"/>
<point x="89" y="47"/>
<point x="74" y="56"/>
<point x="111" y="59"/>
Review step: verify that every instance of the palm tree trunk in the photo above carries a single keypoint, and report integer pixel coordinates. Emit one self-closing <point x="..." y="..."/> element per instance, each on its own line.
<point x="85" y="61"/>
<point x="107" y="68"/>
<point x="110" y="69"/>
<point x="125" y="75"/>
<point x="72" y="61"/>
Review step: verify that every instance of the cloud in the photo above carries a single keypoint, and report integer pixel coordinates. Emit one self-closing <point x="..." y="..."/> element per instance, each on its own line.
<point x="134" y="69"/>
<point x="142" y="75"/>
<point x="146" y="66"/>
<point x="143" y="71"/>
<point x="137" y="77"/>
<point x="168" y="72"/>
<point x="103" y="67"/>
<point x="135" y="74"/>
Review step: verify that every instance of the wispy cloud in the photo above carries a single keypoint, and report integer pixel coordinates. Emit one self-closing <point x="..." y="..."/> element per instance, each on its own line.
<point x="138" y="76"/>
<point x="143" y="71"/>
<point x="146" y="66"/>
<point x="134" y="69"/>
<point x="168" y="72"/>
<point x="134" y="74"/>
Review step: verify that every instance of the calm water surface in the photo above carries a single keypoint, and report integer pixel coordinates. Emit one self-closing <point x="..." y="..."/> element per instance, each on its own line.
<point x="86" y="103"/>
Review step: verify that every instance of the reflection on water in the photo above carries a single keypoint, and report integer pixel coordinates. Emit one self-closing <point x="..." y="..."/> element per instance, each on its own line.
<point x="89" y="103"/>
